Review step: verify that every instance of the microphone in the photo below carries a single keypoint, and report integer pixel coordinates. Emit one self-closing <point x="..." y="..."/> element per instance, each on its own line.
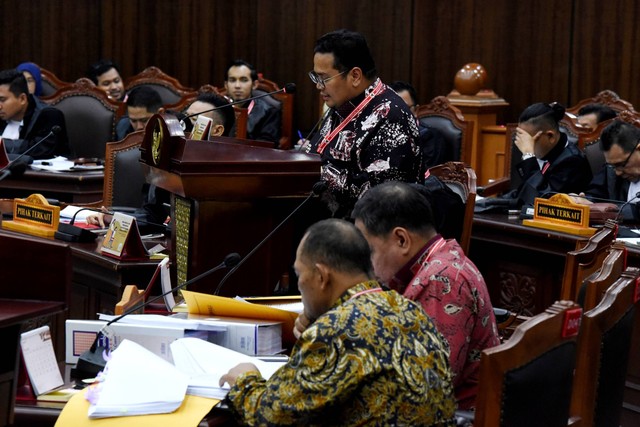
<point x="619" y="216"/>
<point x="54" y="131"/>
<point x="92" y="361"/>
<point x="15" y="169"/>
<point x="288" y="88"/>
<point x="318" y="188"/>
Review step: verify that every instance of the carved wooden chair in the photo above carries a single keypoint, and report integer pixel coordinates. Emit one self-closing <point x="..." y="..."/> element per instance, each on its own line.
<point x="90" y="116"/>
<point x="448" y="119"/>
<point x="527" y="380"/>
<point x="603" y="353"/>
<point x="462" y="180"/>
<point x="586" y="259"/>
<point x="50" y="83"/>
<point x="595" y="285"/>
<point x="606" y="97"/>
<point x="169" y="88"/>
<point x="242" y="114"/>
<point x="286" y="103"/>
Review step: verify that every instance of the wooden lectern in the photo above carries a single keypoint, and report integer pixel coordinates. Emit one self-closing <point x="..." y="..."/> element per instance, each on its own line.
<point x="227" y="195"/>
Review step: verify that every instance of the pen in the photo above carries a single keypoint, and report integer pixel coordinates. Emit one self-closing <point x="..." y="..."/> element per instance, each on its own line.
<point x="46" y="163"/>
<point x="300" y="134"/>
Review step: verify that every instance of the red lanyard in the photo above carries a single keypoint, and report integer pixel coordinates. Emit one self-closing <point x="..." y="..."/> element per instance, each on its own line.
<point x="250" y="107"/>
<point x="437" y="245"/>
<point x="327" y="139"/>
<point x="366" y="291"/>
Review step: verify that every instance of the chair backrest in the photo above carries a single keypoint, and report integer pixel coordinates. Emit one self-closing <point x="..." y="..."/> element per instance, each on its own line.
<point x="606" y="97"/>
<point x="286" y="108"/>
<point x="462" y="180"/>
<point x="50" y="83"/>
<point x="123" y="176"/>
<point x="169" y="88"/>
<point x="90" y="117"/>
<point x="527" y="380"/>
<point x="603" y="352"/>
<point x="456" y="131"/>
<point x="586" y="259"/>
<point x="594" y="286"/>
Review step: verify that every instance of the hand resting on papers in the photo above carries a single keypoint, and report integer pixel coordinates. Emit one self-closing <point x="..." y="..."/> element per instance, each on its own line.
<point x="233" y="374"/>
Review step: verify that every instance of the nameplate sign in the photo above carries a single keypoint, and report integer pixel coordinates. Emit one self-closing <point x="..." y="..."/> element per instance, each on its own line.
<point x="35" y="216"/>
<point x="571" y="324"/>
<point x="561" y="213"/>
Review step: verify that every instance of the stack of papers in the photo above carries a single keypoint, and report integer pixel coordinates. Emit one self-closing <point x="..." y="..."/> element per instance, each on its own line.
<point x="205" y="363"/>
<point x="137" y="382"/>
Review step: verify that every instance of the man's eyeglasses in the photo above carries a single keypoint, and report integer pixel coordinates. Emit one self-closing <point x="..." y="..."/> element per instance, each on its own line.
<point x="621" y="165"/>
<point x="319" y="81"/>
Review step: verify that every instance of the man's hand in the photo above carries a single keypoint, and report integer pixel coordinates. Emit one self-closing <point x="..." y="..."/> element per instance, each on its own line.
<point x="100" y="219"/>
<point x="233" y="374"/>
<point x="525" y="142"/>
<point x="580" y="198"/>
<point x="302" y="323"/>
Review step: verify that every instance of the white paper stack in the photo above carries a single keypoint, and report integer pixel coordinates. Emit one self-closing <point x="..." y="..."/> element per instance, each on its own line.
<point x="205" y="363"/>
<point x="137" y="382"/>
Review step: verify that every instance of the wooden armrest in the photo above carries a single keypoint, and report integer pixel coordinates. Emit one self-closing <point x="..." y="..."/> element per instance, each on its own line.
<point x="499" y="186"/>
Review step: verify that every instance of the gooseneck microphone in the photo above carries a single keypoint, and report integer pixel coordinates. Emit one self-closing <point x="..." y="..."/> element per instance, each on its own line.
<point x="318" y="188"/>
<point x="54" y="131"/>
<point x="288" y="88"/>
<point x="631" y="200"/>
<point x="13" y="169"/>
<point x="92" y="361"/>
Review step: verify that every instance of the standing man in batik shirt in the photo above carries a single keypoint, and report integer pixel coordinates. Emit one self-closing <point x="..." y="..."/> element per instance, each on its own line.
<point x="370" y="134"/>
<point x="370" y="356"/>
<point x="410" y="257"/>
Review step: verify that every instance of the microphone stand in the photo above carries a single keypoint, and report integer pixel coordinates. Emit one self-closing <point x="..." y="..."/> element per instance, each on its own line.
<point x="92" y="361"/>
<point x="318" y="188"/>
<point x="54" y="131"/>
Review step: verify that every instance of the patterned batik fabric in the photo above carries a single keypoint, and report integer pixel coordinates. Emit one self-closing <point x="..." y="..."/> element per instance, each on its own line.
<point x="453" y="293"/>
<point x="378" y="145"/>
<point x="373" y="359"/>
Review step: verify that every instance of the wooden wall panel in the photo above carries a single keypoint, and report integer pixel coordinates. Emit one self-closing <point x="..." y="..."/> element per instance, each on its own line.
<point x="547" y="50"/>
<point x="606" y="43"/>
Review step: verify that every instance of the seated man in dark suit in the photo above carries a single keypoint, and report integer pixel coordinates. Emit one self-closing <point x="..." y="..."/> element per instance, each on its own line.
<point x="430" y="140"/>
<point x="265" y="115"/>
<point x="106" y="76"/>
<point x="24" y="122"/>
<point x="591" y="114"/>
<point x="619" y="179"/>
<point x="142" y="103"/>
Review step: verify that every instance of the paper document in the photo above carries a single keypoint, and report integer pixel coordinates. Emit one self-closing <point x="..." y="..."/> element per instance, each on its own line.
<point x="205" y="363"/>
<point x="136" y="382"/>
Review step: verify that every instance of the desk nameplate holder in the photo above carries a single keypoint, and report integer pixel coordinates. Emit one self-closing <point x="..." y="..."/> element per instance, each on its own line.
<point x="123" y="240"/>
<point x="34" y="216"/>
<point x="561" y="213"/>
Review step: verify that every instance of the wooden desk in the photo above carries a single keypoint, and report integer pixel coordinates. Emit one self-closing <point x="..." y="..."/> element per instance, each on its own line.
<point x="44" y="414"/>
<point x="523" y="268"/>
<point x="98" y="281"/>
<point x="70" y="187"/>
<point x="13" y="315"/>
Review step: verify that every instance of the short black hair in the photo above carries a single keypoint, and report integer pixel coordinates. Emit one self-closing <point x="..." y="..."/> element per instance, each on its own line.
<point x="601" y="111"/>
<point x="240" y="63"/>
<point x="394" y="204"/>
<point x="145" y="97"/>
<point x="99" y="68"/>
<point x="338" y="244"/>
<point x="16" y="81"/>
<point x="400" y="86"/>
<point x="225" y="115"/>
<point x="349" y="49"/>
<point x="543" y="116"/>
<point x="620" y="133"/>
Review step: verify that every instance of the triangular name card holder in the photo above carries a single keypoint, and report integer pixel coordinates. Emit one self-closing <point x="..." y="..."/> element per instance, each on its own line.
<point x="201" y="128"/>
<point x="122" y="240"/>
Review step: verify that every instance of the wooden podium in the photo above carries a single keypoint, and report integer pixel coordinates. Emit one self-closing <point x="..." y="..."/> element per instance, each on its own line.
<point x="227" y="195"/>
